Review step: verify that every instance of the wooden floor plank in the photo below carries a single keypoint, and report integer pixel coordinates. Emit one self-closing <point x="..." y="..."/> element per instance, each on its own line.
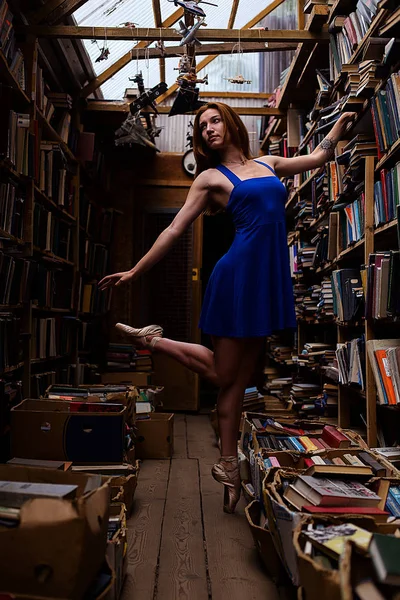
<point x="235" y="570"/>
<point x="201" y="438"/>
<point x="144" y="530"/>
<point x="180" y="442"/>
<point x="182" y="566"/>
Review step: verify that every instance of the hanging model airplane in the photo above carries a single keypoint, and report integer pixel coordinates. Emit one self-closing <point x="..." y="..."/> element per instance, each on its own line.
<point x="147" y="98"/>
<point x="191" y="77"/>
<point x="133" y="132"/>
<point x="238" y="79"/>
<point x="192" y="7"/>
<point x="189" y="35"/>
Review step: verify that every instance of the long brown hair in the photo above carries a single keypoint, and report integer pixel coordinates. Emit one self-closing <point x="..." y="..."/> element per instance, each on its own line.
<point x="207" y="158"/>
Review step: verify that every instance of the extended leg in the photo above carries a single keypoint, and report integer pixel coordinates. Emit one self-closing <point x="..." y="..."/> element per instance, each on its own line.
<point x="195" y="357"/>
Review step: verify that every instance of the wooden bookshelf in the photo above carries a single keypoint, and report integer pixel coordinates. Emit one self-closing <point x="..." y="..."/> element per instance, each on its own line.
<point x="356" y="254"/>
<point x="43" y="130"/>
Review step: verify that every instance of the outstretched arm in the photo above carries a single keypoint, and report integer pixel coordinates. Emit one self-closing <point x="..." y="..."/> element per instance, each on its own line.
<point x="285" y="167"/>
<point x="195" y="204"/>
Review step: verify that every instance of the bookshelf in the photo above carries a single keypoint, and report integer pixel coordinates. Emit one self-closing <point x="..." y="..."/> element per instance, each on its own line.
<point x="42" y="266"/>
<point x="378" y="234"/>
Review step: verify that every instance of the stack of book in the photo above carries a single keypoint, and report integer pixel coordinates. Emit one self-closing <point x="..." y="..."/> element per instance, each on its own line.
<point x="324" y="311"/>
<point x="303" y="220"/>
<point x="253" y="400"/>
<point x="304" y="395"/>
<point x="306" y="304"/>
<point x="281" y="353"/>
<point x="367" y="70"/>
<point x="316" y="354"/>
<point x="392" y="454"/>
<point x="279" y="387"/>
<point x="125" y="357"/>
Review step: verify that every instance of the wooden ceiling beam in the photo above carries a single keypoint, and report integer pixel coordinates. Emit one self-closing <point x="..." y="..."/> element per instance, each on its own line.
<point x="54" y="11"/>
<point x="126" y="59"/>
<point x="116" y="106"/>
<point x="209" y="59"/>
<point x="158" y="23"/>
<point x="232" y="16"/>
<point x="152" y="34"/>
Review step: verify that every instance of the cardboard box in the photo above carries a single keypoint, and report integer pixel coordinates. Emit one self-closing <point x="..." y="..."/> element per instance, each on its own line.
<point x="117" y="549"/>
<point x="45" y="429"/>
<point x="59" y="546"/>
<point x="137" y="378"/>
<point x="264" y="542"/>
<point x="122" y="488"/>
<point x="155" y="436"/>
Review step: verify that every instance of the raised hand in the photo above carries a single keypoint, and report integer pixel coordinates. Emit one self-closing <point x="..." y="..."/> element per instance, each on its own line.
<point x="347" y="117"/>
<point x="115" y="279"/>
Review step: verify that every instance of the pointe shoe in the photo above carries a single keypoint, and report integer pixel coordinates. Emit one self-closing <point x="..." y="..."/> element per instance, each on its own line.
<point x="230" y="479"/>
<point x="154" y="332"/>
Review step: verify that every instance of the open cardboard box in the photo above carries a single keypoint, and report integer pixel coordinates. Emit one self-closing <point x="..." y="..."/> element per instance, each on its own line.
<point x="313" y="577"/>
<point x="58" y="547"/>
<point x="155" y="436"/>
<point x="45" y="429"/>
<point x="117" y="549"/>
<point x="264" y="542"/>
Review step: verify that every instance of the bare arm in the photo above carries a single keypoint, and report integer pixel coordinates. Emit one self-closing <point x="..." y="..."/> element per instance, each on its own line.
<point x="291" y="166"/>
<point x="195" y="204"/>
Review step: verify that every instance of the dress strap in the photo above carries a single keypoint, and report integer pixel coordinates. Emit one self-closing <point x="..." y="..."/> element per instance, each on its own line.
<point x="265" y="165"/>
<point x="234" y="179"/>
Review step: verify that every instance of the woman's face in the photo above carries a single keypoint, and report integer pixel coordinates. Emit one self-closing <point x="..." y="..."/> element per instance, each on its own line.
<point x="213" y="130"/>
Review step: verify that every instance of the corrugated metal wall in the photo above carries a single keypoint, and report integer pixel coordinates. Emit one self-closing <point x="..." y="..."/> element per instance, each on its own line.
<point x="273" y="63"/>
<point x="173" y="136"/>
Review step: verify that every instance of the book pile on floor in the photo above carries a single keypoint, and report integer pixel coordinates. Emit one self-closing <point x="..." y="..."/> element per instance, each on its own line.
<point x="321" y="501"/>
<point x="61" y="481"/>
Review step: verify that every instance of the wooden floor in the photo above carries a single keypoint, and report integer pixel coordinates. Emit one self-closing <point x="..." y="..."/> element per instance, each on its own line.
<point x="181" y="544"/>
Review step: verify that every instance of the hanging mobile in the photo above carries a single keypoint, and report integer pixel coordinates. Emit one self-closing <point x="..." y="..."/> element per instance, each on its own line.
<point x="188" y="159"/>
<point x="104" y="52"/>
<point x="238" y="79"/>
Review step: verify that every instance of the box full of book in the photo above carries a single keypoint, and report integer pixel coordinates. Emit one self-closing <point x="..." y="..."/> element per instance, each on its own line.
<point x="54" y="531"/>
<point x="73" y="431"/>
<point x="263" y="541"/>
<point x="117" y="546"/>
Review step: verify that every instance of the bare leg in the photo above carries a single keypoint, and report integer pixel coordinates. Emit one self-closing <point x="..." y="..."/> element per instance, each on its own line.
<point x="235" y="362"/>
<point x="195" y="357"/>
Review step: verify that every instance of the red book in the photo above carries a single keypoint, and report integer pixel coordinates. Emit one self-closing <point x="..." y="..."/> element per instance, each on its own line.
<point x="334" y="438"/>
<point x="318" y="443"/>
<point x="375" y="126"/>
<point x="324" y="444"/>
<point x="343" y="510"/>
<point x="308" y="462"/>
<point x="383" y="173"/>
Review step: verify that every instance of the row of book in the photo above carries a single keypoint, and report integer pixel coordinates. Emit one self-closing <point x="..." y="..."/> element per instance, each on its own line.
<point x="384" y="356"/>
<point x="329" y="438"/>
<point x="95" y="221"/>
<point x="12" y="207"/>
<point x="9" y="47"/>
<point x="387" y="195"/>
<point x="17" y="144"/>
<point x="347" y="32"/>
<point x="126" y="357"/>
<point x="10" y="346"/>
<point x="93" y="257"/>
<point x="55" y="176"/>
<point x="350" y="357"/>
<point x="385" y="108"/>
<point x="52" y="337"/>
<point x="51" y="233"/>
<point x="91" y="299"/>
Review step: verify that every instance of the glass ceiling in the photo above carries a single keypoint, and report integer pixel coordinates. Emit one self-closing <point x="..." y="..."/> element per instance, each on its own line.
<point x="112" y="13"/>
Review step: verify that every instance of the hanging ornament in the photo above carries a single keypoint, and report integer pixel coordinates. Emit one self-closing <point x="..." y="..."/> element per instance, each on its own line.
<point x="239" y="78"/>
<point x="104" y="51"/>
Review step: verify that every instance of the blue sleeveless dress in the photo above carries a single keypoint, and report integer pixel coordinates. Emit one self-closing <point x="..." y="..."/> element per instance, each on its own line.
<point x="250" y="291"/>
